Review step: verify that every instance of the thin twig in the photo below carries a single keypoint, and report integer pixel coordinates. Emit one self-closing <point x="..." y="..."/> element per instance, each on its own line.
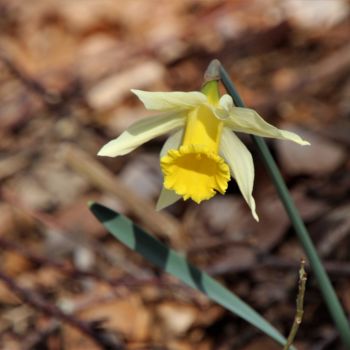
<point x="300" y="306"/>
<point x="29" y="82"/>
<point x="58" y="228"/>
<point x="63" y="267"/>
<point x="334" y="268"/>
<point x="75" y="272"/>
<point x="91" y="329"/>
<point x="35" y="340"/>
<point x="130" y="282"/>
<point x="57" y="102"/>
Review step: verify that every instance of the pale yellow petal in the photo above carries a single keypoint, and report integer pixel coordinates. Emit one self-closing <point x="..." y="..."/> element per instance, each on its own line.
<point x="166" y="198"/>
<point x="226" y="102"/>
<point x="170" y="101"/>
<point x="223" y="110"/>
<point x="169" y="197"/>
<point x="173" y="142"/>
<point x="142" y="131"/>
<point x="248" y="121"/>
<point x="241" y="165"/>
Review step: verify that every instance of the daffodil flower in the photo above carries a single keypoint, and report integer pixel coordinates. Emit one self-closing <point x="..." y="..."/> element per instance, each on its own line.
<point x="202" y="152"/>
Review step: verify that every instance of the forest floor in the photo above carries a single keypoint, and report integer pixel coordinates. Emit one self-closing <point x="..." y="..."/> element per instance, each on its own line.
<point x="66" y="70"/>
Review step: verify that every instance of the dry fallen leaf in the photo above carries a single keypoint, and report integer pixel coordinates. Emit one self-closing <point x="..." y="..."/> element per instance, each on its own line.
<point x="176" y="319"/>
<point x="110" y="91"/>
<point x="322" y="157"/>
<point x="127" y="316"/>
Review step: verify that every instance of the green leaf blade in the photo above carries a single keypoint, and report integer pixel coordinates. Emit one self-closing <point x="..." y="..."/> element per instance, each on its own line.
<point x="173" y="263"/>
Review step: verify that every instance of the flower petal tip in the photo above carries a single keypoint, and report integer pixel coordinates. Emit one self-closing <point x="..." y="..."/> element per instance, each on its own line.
<point x="135" y="91"/>
<point x="101" y="152"/>
<point x="159" y="207"/>
<point x="301" y="142"/>
<point x="166" y="199"/>
<point x="106" y="151"/>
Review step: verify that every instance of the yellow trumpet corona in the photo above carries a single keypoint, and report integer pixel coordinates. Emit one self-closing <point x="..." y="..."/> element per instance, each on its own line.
<point x="196" y="170"/>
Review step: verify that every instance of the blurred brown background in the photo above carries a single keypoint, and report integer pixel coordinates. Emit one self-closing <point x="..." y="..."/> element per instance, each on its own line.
<point x="66" y="69"/>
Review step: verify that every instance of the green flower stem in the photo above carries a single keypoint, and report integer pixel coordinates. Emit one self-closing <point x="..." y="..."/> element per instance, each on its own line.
<point x="329" y="295"/>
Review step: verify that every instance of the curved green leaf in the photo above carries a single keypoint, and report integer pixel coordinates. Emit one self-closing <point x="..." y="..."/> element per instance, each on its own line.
<point x="168" y="260"/>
